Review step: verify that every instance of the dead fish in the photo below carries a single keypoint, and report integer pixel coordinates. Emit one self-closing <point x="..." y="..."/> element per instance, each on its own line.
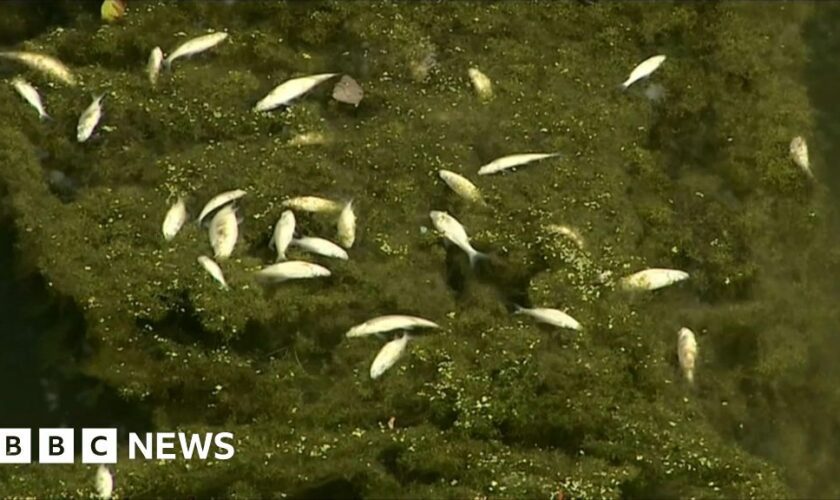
<point x="213" y="268"/>
<point x="653" y="279"/>
<point x="289" y="90"/>
<point x="223" y="232"/>
<point x="89" y="119"/>
<point x="194" y="46"/>
<point x="111" y="10"/>
<point x="284" y="231"/>
<point x="174" y="220"/>
<point x="461" y="186"/>
<point x="481" y="83"/>
<point x="312" y="204"/>
<point x="511" y="161"/>
<point x="43" y="63"/>
<point x="220" y="200"/>
<point x="321" y="246"/>
<point x="347" y="90"/>
<point x="453" y="231"/>
<point x="388" y="356"/>
<point x="153" y="66"/>
<point x="553" y="317"/>
<point x="643" y="70"/>
<point x="31" y="95"/>
<point x="687" y="352"/>
<point x="383" y="324"/>
<point x="799" y="155"/>
<point x="568" y="232"/>
<point x="346" y="226"/>
<point x="104" y="483"/>
<point x="291" y="270"/>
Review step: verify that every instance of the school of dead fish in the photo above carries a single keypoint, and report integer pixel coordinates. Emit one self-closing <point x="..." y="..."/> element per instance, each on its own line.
<point x="223" y="226"/>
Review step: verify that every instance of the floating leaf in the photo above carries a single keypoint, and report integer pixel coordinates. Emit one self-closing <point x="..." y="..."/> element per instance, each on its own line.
<point x="348" y="90"/>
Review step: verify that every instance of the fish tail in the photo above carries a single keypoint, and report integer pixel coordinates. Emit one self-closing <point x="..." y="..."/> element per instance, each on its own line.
<point x="44" y="117"/>
<point x="517" y="309"/>
<point x="167" y="64"/>
<point x="476" y="256"/>
<point x="624" y="85"/>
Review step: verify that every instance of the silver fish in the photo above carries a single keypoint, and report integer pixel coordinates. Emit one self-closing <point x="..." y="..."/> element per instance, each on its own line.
<point x="29" y="93"/>
<point x="461" y="186"/>
<point x="321" y="246"/>
<point x="453" y="231"/>
<point x="511" y="161"/>
<point x="220" y="200"/>
<point x="553" y="317"/>
<point x="388" y="356"/>
<point x="104" y="483"/>
<point x="481" y="83"/>
<point x="347" y="226"/>
<point x="284" y="231"/>
<point x="389" y="323"/>
<point x="653" y="279"/>
<point x="89" y="119"/>
<point x="153" y="66"/>
<point x="643" y="70"/>
<point x="289" y="90"/>
<point x="174" y="220"/>
<point x="799" y="155"/>
<point x="194" y="46"/>
<point x="291" y="270"/>
<point x="311" y="204"/>
<point x="223" y="232"/>
<point x="687" y="353"/>
<point x="43" y="63"/>
<point x="213" y="268"/>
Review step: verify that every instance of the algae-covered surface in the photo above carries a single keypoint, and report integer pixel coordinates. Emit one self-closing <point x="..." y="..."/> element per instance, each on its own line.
<point x="105" y="324"/>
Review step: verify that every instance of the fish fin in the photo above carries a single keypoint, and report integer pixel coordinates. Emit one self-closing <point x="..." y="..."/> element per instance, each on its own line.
<point x="167" y="64"/>
<point x="476" y="256"/>
<point x="45" y="118"/>
<point x="517" y="309"/>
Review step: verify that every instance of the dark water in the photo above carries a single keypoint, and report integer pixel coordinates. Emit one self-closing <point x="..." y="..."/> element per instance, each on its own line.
<point x="43" y="381"/>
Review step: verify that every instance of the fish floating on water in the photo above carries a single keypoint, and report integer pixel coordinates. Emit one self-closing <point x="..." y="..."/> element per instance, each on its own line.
<point x="292" y="270"/>
<point x="153" y="66"/>
<point x="195" y="46"/>
<point x="481" y="83"/>
<point x="383" y="324"/>
<point x="643" y="70"/>
<point x="213" y="268"/>
<point x="799" y="155"/>
<point x="223" y="232"/>
<point x="453" y="231"/>
<point x="312" y="204"/>
<point x="43" y="63"/>
<point x="104" y="483"/>
<point x="653" y="279"/>
<point x="461" y="186"/>
<point x="111" y="10"/>
<point x="31" y="96"/>
<point x="219" y="201"/>
<point x="284" y="231"/>
<point x="346" y="226"/>
<point x="89" y="119"/>
<point x="174" y="220"/>
<point x="507" y="162"/>
<point x="321" y="247"/>
<point x="687" y="353"/>
<point x="553" y="317"/>
<point x="289" y="90"/>
<point x="388" y="356"/>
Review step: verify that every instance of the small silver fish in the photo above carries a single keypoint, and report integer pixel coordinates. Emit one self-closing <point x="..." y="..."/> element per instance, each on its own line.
<point x="174" y="220"/>
<point x="687" y="353"/>
<point x="312" y="204"/>
<point x="284" y="231"/>
<point x="511" y="161"/>
<point x="453" y="231"/>
<point x="289" y="90"/>
<point x="213" y="268"/>
<point x="153" y="66"/>
<point x="321" y="246"/>
<point x="799" y="155"/>
<point x="644" y="69"/>
<point x="43" y="63"/>
<point x="553" y="317"/>
<point x="388" y="356"/>
<point x="346" y="226"/>
<point x="220" y="200"/>
<point x="653" y="279"/>
<point x="223" y="232"/>
<point x="89" y="119"/>
<point x="194" y="46"/>
<point x="481" y="83"/>
<point x="29" y="93"/>
<point x="291" y="270"/>
<point x="383" y="324"/>
<point x="104" y="483"/>
<point x="461" y="186"/>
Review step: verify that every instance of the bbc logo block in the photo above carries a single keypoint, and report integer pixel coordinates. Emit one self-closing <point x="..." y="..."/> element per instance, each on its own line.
<point x="15" y="446"/>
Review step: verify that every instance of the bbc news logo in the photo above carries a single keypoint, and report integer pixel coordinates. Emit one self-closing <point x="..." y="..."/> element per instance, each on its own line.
<point x="99" y="446"/>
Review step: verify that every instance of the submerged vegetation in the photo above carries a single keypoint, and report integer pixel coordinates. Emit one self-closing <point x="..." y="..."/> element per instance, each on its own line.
<point x="492" y="405"/>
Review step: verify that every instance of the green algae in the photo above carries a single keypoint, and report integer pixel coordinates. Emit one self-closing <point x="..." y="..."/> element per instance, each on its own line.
<point x="493" y="405"/>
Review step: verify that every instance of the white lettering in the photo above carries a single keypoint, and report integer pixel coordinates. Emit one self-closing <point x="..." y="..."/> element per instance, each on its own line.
<point x="163" y="445"/>
<point x="195" y="442"/>
<point x="228" y="447"/>
<point x="146" y="447"/>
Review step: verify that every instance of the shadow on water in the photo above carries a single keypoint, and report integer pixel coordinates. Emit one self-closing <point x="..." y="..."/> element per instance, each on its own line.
<point x="44" y="348"/>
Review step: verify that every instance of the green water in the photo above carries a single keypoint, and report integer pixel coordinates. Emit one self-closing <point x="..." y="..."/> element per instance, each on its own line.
<point x="106" y="324"/>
